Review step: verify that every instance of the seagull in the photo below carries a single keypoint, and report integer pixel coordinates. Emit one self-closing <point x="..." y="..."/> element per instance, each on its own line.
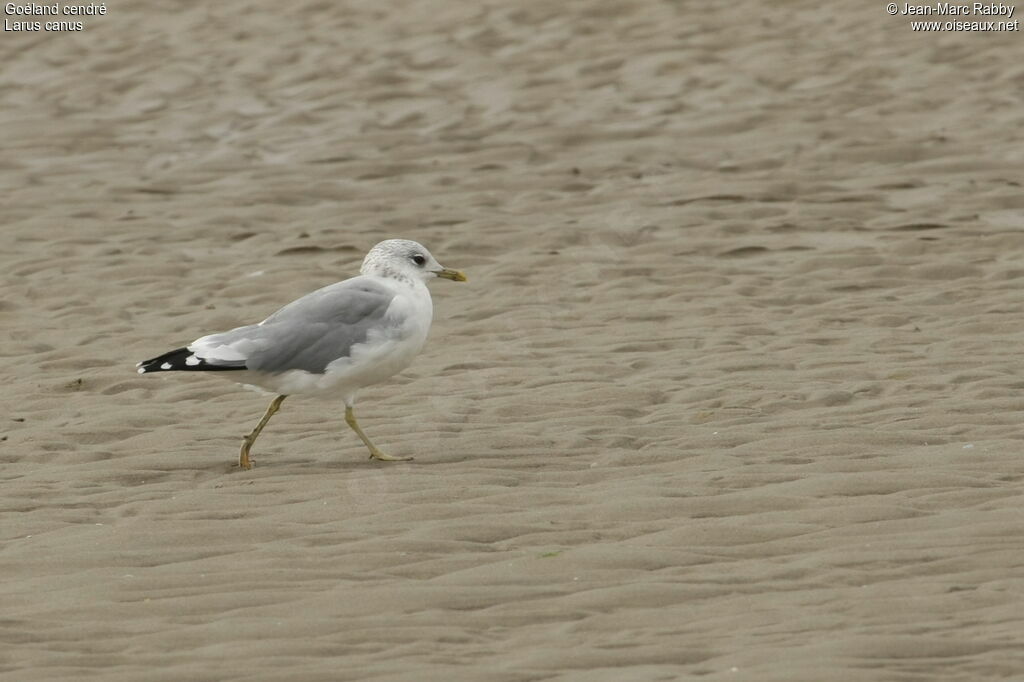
<point x="332" y="342"/>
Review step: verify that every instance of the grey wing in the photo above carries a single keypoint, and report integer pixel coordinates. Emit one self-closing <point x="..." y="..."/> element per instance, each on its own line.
<point x="307" y="334"/>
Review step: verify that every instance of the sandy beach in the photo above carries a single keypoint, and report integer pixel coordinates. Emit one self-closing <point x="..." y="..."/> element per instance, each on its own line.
<point x="733" y="391"/>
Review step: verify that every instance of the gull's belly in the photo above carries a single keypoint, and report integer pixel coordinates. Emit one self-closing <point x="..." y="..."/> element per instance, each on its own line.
<point x="371" y="363"/>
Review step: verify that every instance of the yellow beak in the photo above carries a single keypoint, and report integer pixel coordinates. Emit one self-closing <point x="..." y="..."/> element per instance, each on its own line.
<point x="453" y="275"/>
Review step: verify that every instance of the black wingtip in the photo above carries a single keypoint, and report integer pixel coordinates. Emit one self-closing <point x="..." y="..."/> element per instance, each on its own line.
<point x="183" y="360"/>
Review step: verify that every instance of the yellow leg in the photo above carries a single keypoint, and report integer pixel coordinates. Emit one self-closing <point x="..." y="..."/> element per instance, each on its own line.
<point x="243" y="456"/>
<point x="350" y="419"/>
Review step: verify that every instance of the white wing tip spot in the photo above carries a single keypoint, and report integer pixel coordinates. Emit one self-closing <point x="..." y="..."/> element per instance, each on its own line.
<point x="141" y="371"/>
<point x="166" y="365"/>
<point x="192" y="361"/>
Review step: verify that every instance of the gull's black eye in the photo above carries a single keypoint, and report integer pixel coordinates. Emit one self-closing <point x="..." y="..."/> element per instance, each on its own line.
<point x="418" y="259"/>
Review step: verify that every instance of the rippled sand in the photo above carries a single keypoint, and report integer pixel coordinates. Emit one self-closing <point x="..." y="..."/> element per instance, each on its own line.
<point x="742" y="400"/>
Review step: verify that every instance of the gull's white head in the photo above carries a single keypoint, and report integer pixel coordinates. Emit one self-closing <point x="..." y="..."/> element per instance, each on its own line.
<point x="405" y="259"/>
